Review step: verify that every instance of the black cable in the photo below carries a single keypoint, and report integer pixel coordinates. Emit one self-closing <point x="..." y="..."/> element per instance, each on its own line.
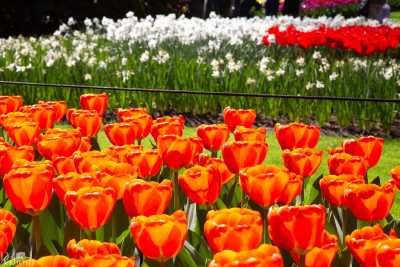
<point x="228" y="94"/>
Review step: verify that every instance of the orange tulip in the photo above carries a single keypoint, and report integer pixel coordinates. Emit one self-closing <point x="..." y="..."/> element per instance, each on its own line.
<point x="332" y="187"/>
<point x="8" y="224"/>
<point x="297" y="228"/>
<point x="126" y="113"/>
<point x="369" y="202"/>
<point x="107" y="261"/>
<point x="90" y="161"/>
<point x="9" y="155"/>
<point x="49" y="261"/>
<point x="388" y="253"/>
<point x="395" y="173"/>
<point x="60" y="106"/>
<point x="267" y="185"/>
<point x="146" y="232"/>
<point x="323" y="255"/>
<point x="166" y="128"/>
<point x="116" y="181"/>
<point x="243" y="154"/>
<point x="119" y="153"/>
<point x="23" y="133"/>
<point x="302" y="161"/>
<point x="264" y="256"/>
<point x="124" y="133"/>
<point x="369" y="148"/>
<point x="148" y="162"/>
<point x="234" y="117"/>
<point x="197" y="149"/>
<point x="117" y="168"/>
<point x="146" y="197"/>
<point x="242" y="133"/>
<point x="64" y="165"/>
<point x="235" y="229"/>
<point x="86" y="248"/>
<point x="90" y="207"/>
<point x="297" y="135"/>
<point x="201" y="184"/>
<point x="58" y="142"/>
<point x="73" y="182"/>
<point x="89" y="122"/>
<point x="45" y="115"/>
<point x="29" y="186"/>
<point x="343" y="163"/>
<point x="96" y="102"/>
<point x="176" y="151"/>
<point x="85" y="144"/>
<point x="213" y="136"/>
<point x="363" y="244"/>
<point x="14" y="118"/>
<point x="10" y="103"/>
<point x="219" y="164"/>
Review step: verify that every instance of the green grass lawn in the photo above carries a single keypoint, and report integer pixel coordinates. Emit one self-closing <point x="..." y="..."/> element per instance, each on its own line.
<point x="390" y="159"/>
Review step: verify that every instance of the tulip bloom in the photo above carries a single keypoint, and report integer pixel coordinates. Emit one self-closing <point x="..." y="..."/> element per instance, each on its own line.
<point x="323" y="255"/>
<point x="90" y="161"/>
<point x="29" y="186"/>
<point x="85" y="144"/>
<point x="45" y="115"/>
<point x="8" y="224"/>
<point x="146" y="197"/>
<point x="89" y="122"/>
<point x="264" y="255"/>
<point x="363" y="244"/>
<point x="64" y="165"/>
<point x="197" y="149"/>
<point x="148" y="162"/>
<point x="235" y="229"/>
<point x="59" y="143"/>
<point x="302" y="161"/>
<point x="90" y="207"/>
<point x="297" y="135"/>
<point x="86" y="248"/>
<point x="116" y="168"/>
<point x="369" y="202"/>
<point x="201" y="184"/>
<point x="267" y="185"/>
<point x="119" y="153"/>
<point x="128" y="113"/>
<point x="73" y="182"/>
<point x="243" y="154"/>
<point x="333" y="187"/>
<point x="388" y="253"/>
<point x="24" y="133"/>
<point x="10" y="103"/>
<point x="166" y="128"/>
<point x="146" y="232"/>
<point x="297" y="228"/>
<point x="96" y="102"/>
<point x="242" y="133"/>
<point x="124" y="133"/>
<point x="116" y="181"/>
<point x="9" y="155"/>
<point x="49" y="261"/>
<point x="137" y="115"/>
<point x="234" y="117"/>
<point x="14" y="118"/>
<point x="395" y="173"/>
<point x="219" y="165"/>
<point x="176" y="151"/>
<point x="213" y="136"/>
<point x="343" y="163"/>
<point x="107" y="261"/>
<point x="369" y="148"/>
<point x="60" y="106"/>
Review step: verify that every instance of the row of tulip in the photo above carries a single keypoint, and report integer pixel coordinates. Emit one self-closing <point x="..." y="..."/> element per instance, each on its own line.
<point x="221" y="208"/>
<point x="216" y="54"/>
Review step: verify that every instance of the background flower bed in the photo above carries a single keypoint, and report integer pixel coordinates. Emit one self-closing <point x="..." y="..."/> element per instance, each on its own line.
<point x="217" y="54"/>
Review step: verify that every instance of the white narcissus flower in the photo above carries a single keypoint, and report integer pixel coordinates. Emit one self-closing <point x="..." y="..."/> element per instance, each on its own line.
<point x="87" y="77"/>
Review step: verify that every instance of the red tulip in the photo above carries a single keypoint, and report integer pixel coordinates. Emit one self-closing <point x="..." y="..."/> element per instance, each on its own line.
<point x="96" y="102"/>
<point x="302" y="161"/>
<point x="395" y="173"/>
<point x="213" y="136"/>
<point x="388" y="253"/>
<point x="146" y="197"/>
<point x="235" y="117"/>
<point x="297" y="135"/>
<point x="342" y="163"/>
<point x="10" y="103"/>
<point x="176" y="151"/>
<point x="369" y="148"/>
<point x="243" y="154"/>
<point x="333" y="187"/>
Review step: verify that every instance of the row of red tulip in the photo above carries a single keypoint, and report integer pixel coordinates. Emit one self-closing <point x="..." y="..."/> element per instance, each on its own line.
<point x="90" y="182"/>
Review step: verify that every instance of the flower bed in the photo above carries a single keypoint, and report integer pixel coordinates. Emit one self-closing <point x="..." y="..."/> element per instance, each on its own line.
<point x="202" y="200"/>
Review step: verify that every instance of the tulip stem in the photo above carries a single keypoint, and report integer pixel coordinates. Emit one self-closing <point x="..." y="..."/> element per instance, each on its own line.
<point x="176" y="189"/>
<point x="302" y="260"/>
<point x="35" y="236"/>
<point x="214" y="153"/>
<point x="265" y="224"/>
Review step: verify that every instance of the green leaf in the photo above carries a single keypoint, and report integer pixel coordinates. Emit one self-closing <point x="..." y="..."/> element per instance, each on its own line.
<point x="13" y="262"/>
<point x="121" y="238"/>
<point x="51" y="232"/>
<point x="186" y="258"/>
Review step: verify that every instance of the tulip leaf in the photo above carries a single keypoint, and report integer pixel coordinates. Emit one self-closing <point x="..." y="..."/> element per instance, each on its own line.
<point x="186" y="257"/>
<point x="13" y="262"/>
<point x="376" y="181"/>
<point x="121" y="238"/>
